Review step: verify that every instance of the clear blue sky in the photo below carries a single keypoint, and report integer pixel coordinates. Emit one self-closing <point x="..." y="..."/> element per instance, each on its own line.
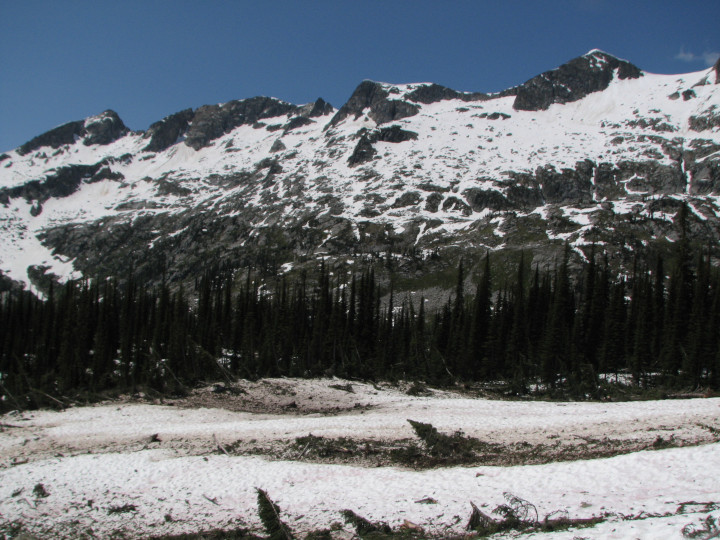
<point x="66" y="60"/>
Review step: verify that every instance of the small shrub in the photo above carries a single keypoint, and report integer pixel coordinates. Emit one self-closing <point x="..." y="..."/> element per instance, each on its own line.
<point x="441" y="445"/>
<point x="40" y="492"/>
<point x="312" y="445"/>
<point x="270" y="517"/>
<point x="660" y="443"/>
<point x="418" y="389"/>
<point x="124" y="509"/>
<point x="707" y="529"/>
<point x="364" y="527"/>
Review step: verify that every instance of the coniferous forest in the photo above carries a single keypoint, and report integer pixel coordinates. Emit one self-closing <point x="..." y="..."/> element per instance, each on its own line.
<point x="542" y="332"/>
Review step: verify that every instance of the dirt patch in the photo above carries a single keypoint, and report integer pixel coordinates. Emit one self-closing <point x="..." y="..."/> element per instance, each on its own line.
<point x="469" y="451"/>
<point x="277" y="396"/>
<point x="349" y="422"/>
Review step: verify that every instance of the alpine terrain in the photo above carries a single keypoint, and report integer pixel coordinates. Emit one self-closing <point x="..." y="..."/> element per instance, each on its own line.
<point x="274" y="331"/>
<point x="596" y="151"/>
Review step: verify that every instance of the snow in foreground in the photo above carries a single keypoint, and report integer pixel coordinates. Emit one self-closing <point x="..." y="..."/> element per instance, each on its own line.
<point x="102" y="484"/>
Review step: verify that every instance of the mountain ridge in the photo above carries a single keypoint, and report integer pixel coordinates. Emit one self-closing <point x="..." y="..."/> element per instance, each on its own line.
<point x="425" y="93"/>
<point x="594" y="151"/>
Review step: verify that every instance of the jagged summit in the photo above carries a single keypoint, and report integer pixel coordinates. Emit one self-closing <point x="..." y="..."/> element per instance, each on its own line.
<point x="377" y="98"/>
<point x="592" y="52"/>
<point x="383" y="103"/>
<point x="591" y="72"/>
<point x="197" y="128"/>
<point x="100" y="129"/>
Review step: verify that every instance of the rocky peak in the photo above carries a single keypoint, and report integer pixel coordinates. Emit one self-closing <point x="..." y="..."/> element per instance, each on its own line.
<point x="166" y="132"/>
<point x="432" y="93"/>
<point x="716" y="67"/>
<point x="55" y="138"/>
<point x="104" y="128"/>
<point x="320" y="108"/>
<point x="572" y="81"/>
<point x="211" y="122"/>
<point x="101" y="129"/>
<point x="376" y="97"/>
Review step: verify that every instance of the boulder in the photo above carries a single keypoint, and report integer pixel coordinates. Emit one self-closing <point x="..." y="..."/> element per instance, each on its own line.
<point x="409" y="198"/>
<point x="364" y="151"/>
<point x="392" y="134"/>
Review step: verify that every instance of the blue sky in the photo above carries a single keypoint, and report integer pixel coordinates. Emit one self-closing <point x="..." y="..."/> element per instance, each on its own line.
<point x="66" y="60"/>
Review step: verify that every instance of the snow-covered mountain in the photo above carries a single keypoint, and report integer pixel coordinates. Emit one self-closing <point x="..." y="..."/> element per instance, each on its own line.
<point x="595" y="151"/>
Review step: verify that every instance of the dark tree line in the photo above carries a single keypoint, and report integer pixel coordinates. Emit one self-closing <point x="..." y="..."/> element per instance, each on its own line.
<point x="537" y="328"/>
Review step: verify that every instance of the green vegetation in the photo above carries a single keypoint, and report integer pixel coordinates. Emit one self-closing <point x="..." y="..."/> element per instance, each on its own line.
<point x="537" y="331"/>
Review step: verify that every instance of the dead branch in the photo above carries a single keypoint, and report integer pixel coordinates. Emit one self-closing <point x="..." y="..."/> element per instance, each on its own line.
<point x="220" y="446"/>
<point x="212" y="500"/>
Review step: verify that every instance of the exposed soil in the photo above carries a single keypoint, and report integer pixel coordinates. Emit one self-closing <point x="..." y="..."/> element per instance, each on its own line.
<point x="288" y="402"/>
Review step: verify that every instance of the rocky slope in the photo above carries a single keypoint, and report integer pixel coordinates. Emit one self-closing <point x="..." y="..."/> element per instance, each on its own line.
<point x="595" y="151"/>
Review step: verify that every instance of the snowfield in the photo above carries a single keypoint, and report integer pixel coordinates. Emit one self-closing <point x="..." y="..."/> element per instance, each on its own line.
<point x="460" y="146"/>
<point x="138" y="469"/>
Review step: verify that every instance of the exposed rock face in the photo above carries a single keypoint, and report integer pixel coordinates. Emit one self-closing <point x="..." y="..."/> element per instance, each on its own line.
<point x="62" y="183"/>
<point x="213" y="121"/>
<point x="421" y="191"/>
<point x="277" y="146"/>
<point x="651" y="177"/>
<point x="102" y="129"/>
<point x="166" y="132"/>
<point x="572" y="81"/>
<point x="705" y="178"/>
<point x="709" y="119"/>
<point x="480" y="199"/>
<point x="366" y="95"/>
<point x="569" y="186"/>
<point x="453" y="204"/>
<point x="373" y="96"/>
<point x="392" y="134"/>
<point x="716" y="67"/>
<point x="432" y="93"/>
<point x="297" y="122"/>
<point x="432" y="202"/>
<point x="409" y="198"/>
<point x="364" y="151"/>
<point x="391" y="110"/>
<point x="320" y="108"/>
<point x="55" y="138"/>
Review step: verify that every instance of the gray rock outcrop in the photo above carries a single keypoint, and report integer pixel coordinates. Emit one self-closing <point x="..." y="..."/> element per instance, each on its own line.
<point x="572" y="81"/>
<point x="168" y="131"/>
